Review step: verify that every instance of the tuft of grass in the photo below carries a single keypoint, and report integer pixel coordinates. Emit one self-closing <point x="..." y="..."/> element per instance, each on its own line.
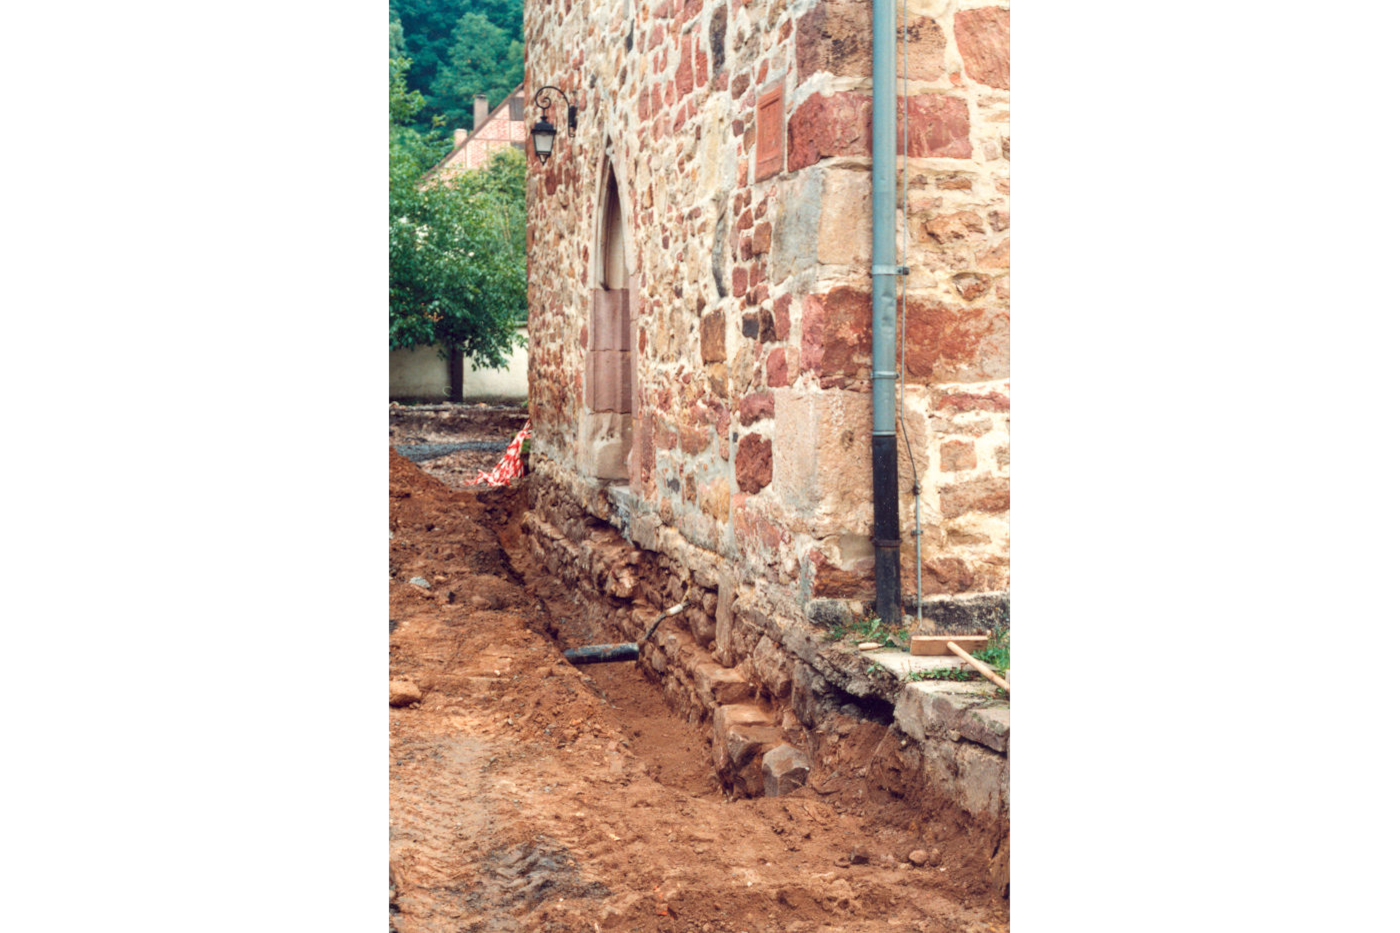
<point x="942" y="673"/>
<point x="871" y="629"/>
<point x="997" y="653"/>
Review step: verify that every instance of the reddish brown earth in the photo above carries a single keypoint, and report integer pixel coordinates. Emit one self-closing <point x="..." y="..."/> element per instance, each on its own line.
<point x="526" y="794"/>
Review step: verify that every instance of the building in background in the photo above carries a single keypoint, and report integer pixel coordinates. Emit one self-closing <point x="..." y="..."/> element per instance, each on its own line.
<point x="492" y="130"/>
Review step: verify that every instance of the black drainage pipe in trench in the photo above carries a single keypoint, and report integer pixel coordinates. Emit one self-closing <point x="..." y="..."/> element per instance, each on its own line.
<point x="599" y="654"/>
<point x="625" y="651"/>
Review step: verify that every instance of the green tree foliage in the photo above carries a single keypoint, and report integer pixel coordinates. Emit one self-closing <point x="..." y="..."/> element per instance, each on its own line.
<point x="431" y="36"/>
<point x="503" y="181"/>
<point x="456" y="245"/>
<point x="484" y="59"/>
<point x="397" y="49"/>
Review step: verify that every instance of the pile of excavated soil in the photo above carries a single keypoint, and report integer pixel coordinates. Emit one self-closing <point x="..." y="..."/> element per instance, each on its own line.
<point x="526" y="794"/>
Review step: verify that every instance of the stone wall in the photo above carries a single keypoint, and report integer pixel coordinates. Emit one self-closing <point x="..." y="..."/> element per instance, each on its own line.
<point x="736" y="475"/>
<point x="739" y="138"/>
<point x="784" y="706"/>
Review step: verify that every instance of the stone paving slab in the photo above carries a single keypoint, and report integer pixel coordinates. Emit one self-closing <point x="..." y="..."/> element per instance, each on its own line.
<point x="942" y="710"/>
<point x="901" y="663"/>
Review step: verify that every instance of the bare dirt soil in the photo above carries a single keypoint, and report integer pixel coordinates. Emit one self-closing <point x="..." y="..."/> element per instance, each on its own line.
<point x="527" y="794"/>
<point x="487" y="428"/>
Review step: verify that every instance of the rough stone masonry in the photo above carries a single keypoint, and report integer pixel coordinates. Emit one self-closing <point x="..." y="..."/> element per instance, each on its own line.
<point x="700" y="308"/>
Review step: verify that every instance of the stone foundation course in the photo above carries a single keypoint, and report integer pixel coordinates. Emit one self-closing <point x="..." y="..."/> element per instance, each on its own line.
<point x="784" y="706"/>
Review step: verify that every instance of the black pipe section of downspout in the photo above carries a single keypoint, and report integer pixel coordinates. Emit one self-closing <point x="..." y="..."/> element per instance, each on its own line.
<point x="889" y="604"/>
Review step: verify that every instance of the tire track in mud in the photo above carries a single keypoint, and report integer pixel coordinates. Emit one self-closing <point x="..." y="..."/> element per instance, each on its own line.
<point x="431" y="830"/>
<point x="427" y="827"/>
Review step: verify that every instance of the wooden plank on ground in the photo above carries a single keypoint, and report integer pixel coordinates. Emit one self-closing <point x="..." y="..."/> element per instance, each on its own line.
<point x="927" y="645"/>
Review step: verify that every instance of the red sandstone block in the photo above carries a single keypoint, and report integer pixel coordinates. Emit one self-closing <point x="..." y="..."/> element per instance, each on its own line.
<point x="756" y="406"/>
<point x="694" y="440"/>
<point x="998" y="257"/>
<point x="829" y="580"/>
<point x="836" y="338"/>
<point x="782" y="321"/>
<point x="959" y="225"/>
<point x="957" y="455"/>
<point x="938" y="126"/>
<point x="769" y="160"/>
<point x="984" y="40"/>
<point x="778" y="367"/>
<point x="986" y="494"/>
<point x="828" y="125"/>
<point x="965" y="401"/>
<point x="712" y="348"/>
<point x="741" y="280"/>
<point x="685" y="71"/>
<point x="610" y="319"/>
<point x="753" y="464"/>
<point x="946" y="344"/>
<point x="608" y="380"/>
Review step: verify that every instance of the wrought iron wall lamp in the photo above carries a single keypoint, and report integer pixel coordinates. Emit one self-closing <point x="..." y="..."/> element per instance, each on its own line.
<point x="542" y="133"/>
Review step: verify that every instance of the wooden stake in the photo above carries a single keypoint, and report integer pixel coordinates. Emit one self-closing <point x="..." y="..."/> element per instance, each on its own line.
<point x="981" y="668"/>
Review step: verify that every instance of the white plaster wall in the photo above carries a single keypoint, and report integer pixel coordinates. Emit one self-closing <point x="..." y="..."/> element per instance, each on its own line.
<point x="417" y="374"/>
<point x="421" y="373"/>
<point x="510" y="384"/>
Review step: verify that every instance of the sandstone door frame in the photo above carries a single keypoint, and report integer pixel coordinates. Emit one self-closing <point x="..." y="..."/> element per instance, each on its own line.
<point x="610" y="384"/>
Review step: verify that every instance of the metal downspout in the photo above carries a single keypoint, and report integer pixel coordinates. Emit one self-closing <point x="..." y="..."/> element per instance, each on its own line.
<point x="884" y="460"/>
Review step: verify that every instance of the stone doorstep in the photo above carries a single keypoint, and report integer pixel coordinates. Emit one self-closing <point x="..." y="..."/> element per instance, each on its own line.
<point x="929" y="710"/>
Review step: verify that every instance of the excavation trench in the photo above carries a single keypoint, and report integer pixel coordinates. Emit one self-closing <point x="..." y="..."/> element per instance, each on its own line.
<point x="527" y="794"/>
<point x="741" y="705"/>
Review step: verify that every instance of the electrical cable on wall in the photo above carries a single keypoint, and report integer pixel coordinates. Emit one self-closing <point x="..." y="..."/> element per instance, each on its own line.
<point x="904" y="328"/>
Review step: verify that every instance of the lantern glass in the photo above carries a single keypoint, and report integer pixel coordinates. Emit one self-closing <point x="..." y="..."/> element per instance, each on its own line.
<point x="543" y="136"/>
